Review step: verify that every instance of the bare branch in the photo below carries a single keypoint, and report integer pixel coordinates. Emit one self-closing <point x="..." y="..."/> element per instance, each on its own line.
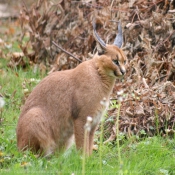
<point x="66" y="51"/>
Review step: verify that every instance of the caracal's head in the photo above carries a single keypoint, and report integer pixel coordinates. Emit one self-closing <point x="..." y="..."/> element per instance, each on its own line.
<point x="112" y="57"/>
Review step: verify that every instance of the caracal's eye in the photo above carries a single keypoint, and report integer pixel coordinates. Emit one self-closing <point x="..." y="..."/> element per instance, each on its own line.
<point x="125" y="62"/>
<point x="116" y="62"/>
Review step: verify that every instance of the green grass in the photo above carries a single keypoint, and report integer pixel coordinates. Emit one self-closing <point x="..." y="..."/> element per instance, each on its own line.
<point x="154" y="155"/>
<point x="149" y="156"/>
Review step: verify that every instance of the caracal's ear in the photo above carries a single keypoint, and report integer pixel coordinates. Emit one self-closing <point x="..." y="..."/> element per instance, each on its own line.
<point x="119" y="38"/>
<point x="101" y="46"/>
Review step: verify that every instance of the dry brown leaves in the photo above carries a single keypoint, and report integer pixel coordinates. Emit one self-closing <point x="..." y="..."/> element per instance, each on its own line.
<point x="148" y="107"/>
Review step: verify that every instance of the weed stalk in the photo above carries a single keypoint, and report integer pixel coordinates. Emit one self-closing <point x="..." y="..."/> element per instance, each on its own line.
<point x="157" y="121"/>
<point x="87" y="129"/>
<point x="118" y="140"/>
<point x="101" y="142"/>
<point x="104" y="103"/>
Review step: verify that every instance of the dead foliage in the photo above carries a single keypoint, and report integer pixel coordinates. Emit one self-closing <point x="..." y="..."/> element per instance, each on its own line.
<point x="148" y="105"/>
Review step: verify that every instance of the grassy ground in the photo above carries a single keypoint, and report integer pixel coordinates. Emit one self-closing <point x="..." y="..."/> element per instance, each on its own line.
<point x="149" y="156"/>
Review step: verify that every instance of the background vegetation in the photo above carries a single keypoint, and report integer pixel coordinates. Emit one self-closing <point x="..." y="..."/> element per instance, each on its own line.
<point x="147" y="111"/>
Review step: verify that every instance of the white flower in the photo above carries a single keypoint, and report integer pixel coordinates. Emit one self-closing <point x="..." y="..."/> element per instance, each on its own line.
<point x="87" y="126"/>
<point x="120" y="92"/>
<point x="2" y="102"/>
<point x="89" y="119"/>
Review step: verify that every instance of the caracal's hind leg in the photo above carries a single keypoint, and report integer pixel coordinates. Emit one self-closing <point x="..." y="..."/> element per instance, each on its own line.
<point x="34" y="132"/>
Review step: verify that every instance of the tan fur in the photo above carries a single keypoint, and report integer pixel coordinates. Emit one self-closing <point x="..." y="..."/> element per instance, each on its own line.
<point x="58" y="106"/>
